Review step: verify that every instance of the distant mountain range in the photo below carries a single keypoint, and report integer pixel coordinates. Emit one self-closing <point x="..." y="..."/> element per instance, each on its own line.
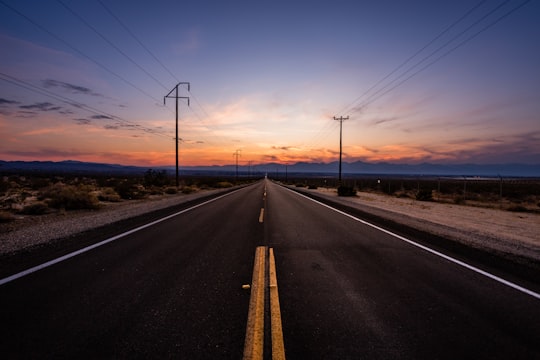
<point x="357" y="167"/>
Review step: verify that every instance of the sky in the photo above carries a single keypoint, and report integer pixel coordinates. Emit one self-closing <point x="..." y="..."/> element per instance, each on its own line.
<point x="417" y="81"/>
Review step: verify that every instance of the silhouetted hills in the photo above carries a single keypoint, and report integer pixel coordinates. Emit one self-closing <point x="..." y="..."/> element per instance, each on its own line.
<point x="384" y="168"/>
<point x="68" y="166"/>
<point x="329" y="169"/>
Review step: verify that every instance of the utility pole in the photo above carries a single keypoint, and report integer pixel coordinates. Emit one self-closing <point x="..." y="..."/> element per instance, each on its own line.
<point x="176" y="140"/>
<point x="237" y="154"/>
<point x="340" y="119"/>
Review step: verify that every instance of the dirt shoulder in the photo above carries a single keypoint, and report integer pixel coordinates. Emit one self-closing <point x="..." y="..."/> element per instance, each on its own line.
<point x="29" y="231"/>
<point x="483" y="228"/>
<point x="487" y="229"/>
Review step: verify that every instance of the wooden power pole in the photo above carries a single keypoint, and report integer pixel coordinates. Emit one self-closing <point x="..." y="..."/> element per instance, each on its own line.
<point x="175" y="96"/>
<point x="340" y="119"/>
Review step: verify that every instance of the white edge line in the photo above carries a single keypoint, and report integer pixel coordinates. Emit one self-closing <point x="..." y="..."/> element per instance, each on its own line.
<point x="93" y="246"/>
<point x="451" y="259"/>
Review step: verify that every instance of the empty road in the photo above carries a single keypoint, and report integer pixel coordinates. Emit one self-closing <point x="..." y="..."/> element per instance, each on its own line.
<point x="347" y="290"/>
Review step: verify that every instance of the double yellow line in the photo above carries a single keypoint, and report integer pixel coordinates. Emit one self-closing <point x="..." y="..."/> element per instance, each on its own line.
<point x="254" y="343"/>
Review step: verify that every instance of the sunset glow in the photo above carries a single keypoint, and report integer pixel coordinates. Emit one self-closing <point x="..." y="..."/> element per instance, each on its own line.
<point x="268" y="79"/>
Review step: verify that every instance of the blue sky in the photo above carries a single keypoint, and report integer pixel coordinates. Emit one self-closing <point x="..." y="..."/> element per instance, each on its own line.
<point x="443" y="82"/>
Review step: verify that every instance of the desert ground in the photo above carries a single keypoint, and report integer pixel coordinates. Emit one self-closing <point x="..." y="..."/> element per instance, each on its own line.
<point x="486" y="228"/>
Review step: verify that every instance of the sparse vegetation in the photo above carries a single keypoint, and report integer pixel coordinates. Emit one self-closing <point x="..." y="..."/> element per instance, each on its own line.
<point x="490" y="193"/>
<point x="38" y="194"/>
<point x="188" y="189"/>
<point x="223" y="185"/>
<point x="109" y="194"/>
<point x="70" y="197"/>
<point x="156" y="178"/>
<point x="32" y="194"/>
<point x="130" y="189"/>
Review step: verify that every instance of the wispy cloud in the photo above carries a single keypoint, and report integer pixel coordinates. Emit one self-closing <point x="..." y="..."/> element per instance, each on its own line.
<point x="380" y="121"/>
<point x="83" y="121"/>
<point x="71" y="88"/>
<point x="101" y="117"/>
<point x="4" y="102"/>
<point x="41" y="106"/>
<point x="286" y="148"/>
<point x="5" y="106"/>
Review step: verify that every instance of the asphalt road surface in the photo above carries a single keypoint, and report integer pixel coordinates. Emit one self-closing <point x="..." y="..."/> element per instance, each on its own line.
<point x="174" y="289"/>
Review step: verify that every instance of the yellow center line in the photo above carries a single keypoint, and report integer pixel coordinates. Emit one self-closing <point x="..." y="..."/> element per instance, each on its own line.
<point x="254" y="343"/>
<point x="261" y="215"/>
<point x="278" y="347"/>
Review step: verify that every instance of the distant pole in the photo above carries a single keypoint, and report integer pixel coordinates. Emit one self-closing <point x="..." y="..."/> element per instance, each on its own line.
<point x="340" y="119"/>
<point x="176" y="136"/>
<point x="237" y="153"/>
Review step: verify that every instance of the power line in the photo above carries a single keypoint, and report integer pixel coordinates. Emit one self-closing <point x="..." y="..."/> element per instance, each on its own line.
<point x="330" y="126"/>
<point x="79" y="52"/>
<point x="390" y="85"/>
<point x="381" y="92"/>
<point x="132" y="34"/>
<point x="455" y="37"/>
<point x="406" y="61"/>
<point x="30" y="87"/>
<point x="110" y="42"/>
<point x="137" y="39"/>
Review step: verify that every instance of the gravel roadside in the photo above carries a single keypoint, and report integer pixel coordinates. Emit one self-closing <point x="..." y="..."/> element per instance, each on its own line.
<point x="482" y="228"/>
<point x="29" y="231"/>
<point x="486" y="229"/>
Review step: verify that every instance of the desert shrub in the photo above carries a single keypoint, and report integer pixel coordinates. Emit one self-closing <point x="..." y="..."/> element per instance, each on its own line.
<point x="6" y="217"/>
<point x="129" y="190"/>
<point x="109" y="194"/>
<point x="155" y="178"/>
<point x="424" y="195"/>
<point x="38" y="208"/>
<point x="188" y="189"/>
<point x="223" y="184"/>
<point x="154" y="190"/>
<point x="312" y="186"/>
<point x="71" y="197"/>
<point x="171" y="190"/>
<point x="300" y="185"/>
<point x="403" y="195"/>
<point x="346" y="190"/>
